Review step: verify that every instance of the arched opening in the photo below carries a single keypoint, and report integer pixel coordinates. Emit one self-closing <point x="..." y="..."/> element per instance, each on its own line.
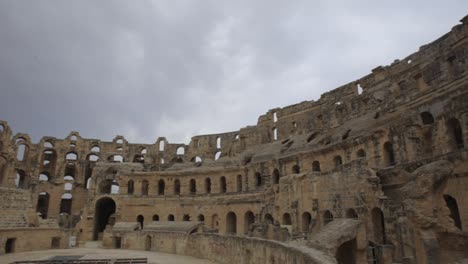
<point x="139" y="158"/>
<point x="351" y="213"/>
<point x="201" y="218"/>
<point x="144" y="187"/>
<point x="455" y="133"/>
<point x="286" y="219"/>
<point x="207" y="185"/>
<point x="276" y="176"/>
<point x="196" y="159"/>
<point x="361" y="154"/>
<point x="21" y="151"/>
<point x="346" y="252"/>
<point x="306" y="221"/>
<point x="239" y="183"/>
<point x="68" y="186"/>
<point x="93" y="157"/>
<point x="96" y="149"/>
<point x="327" y="217"/>
<point x="249" y="219"/>
<point x="21" y="180"/>
<point x="105" y="207"/>
<point x="337" y="161"/>
<point x="186" y="218"/>
<point x="218" y="142"/>
<point x="316" y="166"/>
<point x="427" y="118"/>
<point x="43" y="204"/>
<point x="105" y="187"/>
<point x="148" y="243"/>
<point x="71" y="156"/>
<point x="48" y="159"/>
<point x="180" y="151"/>
<point x="231" y="223"/>
<point x="115" y="187"/>
<point x="296" y="169"/>
<point x="177" y="187"/>
<point x="268" y="219"/>
<point x="258" y="179"/>
<point x="161" y="145"/>
<point x="193" y="186"/>
<point x="454" y="213"/>
<point x="88" y="174"/>
<point x="170" y="218"/>
<point x="389" y="155"/>
<point x="222" y="184"/>
<point x="275" y="133"/>
<point x="155" y="218"/>
<point x="378" y="223"/>
<point x="141" y="220"/>
<point x="217" y="155"/>
<point x="130" y="187"/>
<point x="161" y="187"/>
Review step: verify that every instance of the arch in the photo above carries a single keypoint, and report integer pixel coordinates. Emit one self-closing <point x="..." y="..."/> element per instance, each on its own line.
<point x="104" y="208"/>
<point x="196" y="159"/>
<point x="454" y="213"/>
<point x="130" y="187"/>
<point x="21" y="151"/>
<point x="207" y="185"/>
<point x="222" y="185"/>
<point x="217" y="155"/>
<point x="155" y="218"/>
<point x="161" y="145"/>
<point x="306" y="221"/>
<point x="455" y="133"/>
<point x="44" y="176"/>
<point x="92" y="157"/>
<point x="170" y="218"/>
<point x="361" y="154"/>
<point x="351" y="213"/>
<point x="296" y="169"/>
<point x="286" y="219"/>
<point x="68" y="186"/>
<point x="186" y="218"/>
<point x="21" y="180"/>
<point x="239" y="183"/>
<point x="144" y="187"/>
<point x="105" y="186"/>
<point x="180" y="151"/>
<point x="346" y="252"/>
<point x="141" y="220"/>
<point x="193" y="186"/>
<point x="249" y="219"/>
<point x="148" y="243"/>
<point x="427" y="118"/>
<point x="138" y="158"/>
<point x="201" y="218"/>
<point x="43" y="204"/>
<point x="316" y="166"/>
<point x="337" y="161"/>
<point x="276" y="176"/>
<point x="119" y="141"/>
<point x="218" y="142"/>
<point x="258" y="179"/>
<point x="177" y="187"/>
<point x="378" y="224"/>
<point x="161" y="187"/>
<point x="66" y="203"/>
<point x="231" y="223"/>
<point x="117" y="158"/>
<point x="143" y="150"/>
<point x="389" y="155"/>
<point x="71" y="156"/>
<point x="327" y="217"/>
<point x="49" y="158"/>
<point x="95" y="148"/>
<point x="268" y="219"/>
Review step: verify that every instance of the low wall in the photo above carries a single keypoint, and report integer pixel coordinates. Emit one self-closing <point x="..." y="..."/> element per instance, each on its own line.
<point x="29" y="239"/>
<point x="222" y="249"/>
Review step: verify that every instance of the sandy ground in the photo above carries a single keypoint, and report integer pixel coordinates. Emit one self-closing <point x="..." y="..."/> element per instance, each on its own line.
<point x="97" y="253"/>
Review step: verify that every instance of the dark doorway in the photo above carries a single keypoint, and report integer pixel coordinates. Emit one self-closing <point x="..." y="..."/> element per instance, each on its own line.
<point x="55" y="242"/>
<point x="117" y="242"/>
<point x="141" y="220"/>
<point x="43" y="204"/>
<point x="378" y="222"/>
<point x="10" y="245"/>
<point x="454" y="213"/>
<point x="148" y="243"/>
<point x="105" y="207"/>
<point x="346" y="253"/>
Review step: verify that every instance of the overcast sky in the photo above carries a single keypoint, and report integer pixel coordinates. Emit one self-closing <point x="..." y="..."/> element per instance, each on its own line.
<point x="145" y="69"/>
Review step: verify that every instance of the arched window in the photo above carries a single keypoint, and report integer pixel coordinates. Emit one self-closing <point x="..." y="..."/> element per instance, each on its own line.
<point x="48" y="159"/>
<point x="118" y="158"/>
<point x="276" y="176"/>
<point x="218" y="142"/>
<point x="68" y="186"/>
<point x="170" y="218"/>
<point x="186" y="218"/>
<point x="180" y="151"/>
<point x="207" y="185"/>
<point x="201" y="218"/>
<point x="361" y="154"/>
<point x="351" y="213"/>
<point x="193" y="186"/>
<point x="155" y="218"/>
<point x="161" y="145"/>
<point x="66" y="203"/>
<point x="306" y="221"/>
<point x="268" y="219"/>
<point x="231" y="223"/>
<point x="427" y="118"/>
<point x="115" y="187"/>
<point x="43" y="204"/>
<point x="21" y="152"/>
<point x="130" y="187"/>
<point x="217" y="155"/>
<point x="222" y="184"/>
<point x="44" y="176"/>
<point x="378" y="222"/>
<point x="249" y="219"/>
<point x="71" y="156"/>
<point x="337" y="161"/>
<point x="93" y="157"/>
<point x="327" y="217"/>
<point x="258" y="179"/>
<point x="455" y="133"/>
<point x="296" y="169"/>
<point x="239" y="183"/>
<point x="48" y="144"/>
<point x="177" y="187"/>
<point x="144" y="187"/>
<point x="287" y="219"/>
<point x="389" y="156"/>
<point x="141" y="220"/>
<point x="96" y="149"/>
<point x="21" y="181"/>
<point x="454" y="213"/>
<point x="275" y="133"/>
<point x="161" y="187"/>
<point x="316" y="166"/>
<point x="73" y="138"/>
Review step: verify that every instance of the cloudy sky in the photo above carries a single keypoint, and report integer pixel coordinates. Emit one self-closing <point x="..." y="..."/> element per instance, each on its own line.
<point x="145" y="68"/>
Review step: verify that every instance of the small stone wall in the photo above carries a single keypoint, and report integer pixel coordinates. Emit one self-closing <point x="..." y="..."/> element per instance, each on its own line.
<point x="30" y="239"/>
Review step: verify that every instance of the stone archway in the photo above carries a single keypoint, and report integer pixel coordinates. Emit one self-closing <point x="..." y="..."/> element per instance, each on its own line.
<point x="105" y="207"/>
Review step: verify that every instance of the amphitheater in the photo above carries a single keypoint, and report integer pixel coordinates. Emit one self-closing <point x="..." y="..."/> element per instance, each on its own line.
<point x="375" y="171"/>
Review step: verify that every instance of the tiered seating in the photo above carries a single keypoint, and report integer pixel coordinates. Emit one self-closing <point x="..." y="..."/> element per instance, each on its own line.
<point x="13" y="221"/>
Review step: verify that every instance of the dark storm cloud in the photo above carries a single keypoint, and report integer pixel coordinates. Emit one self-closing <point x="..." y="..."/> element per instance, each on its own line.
<point x="179" y="68"/>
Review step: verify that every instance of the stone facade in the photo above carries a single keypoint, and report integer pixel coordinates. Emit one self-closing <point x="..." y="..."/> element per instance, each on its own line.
<point x="374" y="171"/>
